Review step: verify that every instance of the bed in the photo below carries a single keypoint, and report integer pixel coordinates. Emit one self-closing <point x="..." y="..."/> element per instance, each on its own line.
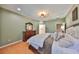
<point x="48" y="44"/>
<point x="41" y="43"/>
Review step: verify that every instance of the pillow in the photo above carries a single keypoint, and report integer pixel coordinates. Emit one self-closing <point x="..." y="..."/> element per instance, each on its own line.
<point x="65" y="43"/>
<point x="54" y="35"/>
<point x="73" y="31"/>
<point x="70" y="31"/>
<point x="69" y="38"/>
<point x="58" y="36"/>
<point x="76" y="34"/>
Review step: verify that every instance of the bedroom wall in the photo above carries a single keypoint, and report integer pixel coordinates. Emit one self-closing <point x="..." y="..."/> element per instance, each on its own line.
<point x="51" y="25"/>
<point x="12" y="26"/>
<point x="69" y="21"/>
<point x="0" y="26"/>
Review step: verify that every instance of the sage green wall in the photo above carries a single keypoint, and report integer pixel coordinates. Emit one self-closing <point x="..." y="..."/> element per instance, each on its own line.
<point x="0" y="26"/>
<point x="69" y="21"/>
<point x="12" y="26"/>
<point x="51" y="25"/>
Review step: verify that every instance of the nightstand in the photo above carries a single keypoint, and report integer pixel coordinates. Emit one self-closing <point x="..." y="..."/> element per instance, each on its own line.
<point x="28" y="34"/>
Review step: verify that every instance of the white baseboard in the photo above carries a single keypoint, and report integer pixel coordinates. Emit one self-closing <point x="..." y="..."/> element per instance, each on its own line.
<point x="10" y="44"/>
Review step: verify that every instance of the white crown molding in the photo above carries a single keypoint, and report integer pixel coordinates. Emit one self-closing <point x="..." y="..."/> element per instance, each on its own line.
<point x="29" y="18"/>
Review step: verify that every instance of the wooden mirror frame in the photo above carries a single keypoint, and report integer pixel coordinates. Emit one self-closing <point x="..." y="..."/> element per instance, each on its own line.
<point x="26" y="26"/>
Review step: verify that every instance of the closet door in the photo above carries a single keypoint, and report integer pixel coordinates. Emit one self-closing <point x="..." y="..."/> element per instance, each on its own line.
<point x="42" y="28"/>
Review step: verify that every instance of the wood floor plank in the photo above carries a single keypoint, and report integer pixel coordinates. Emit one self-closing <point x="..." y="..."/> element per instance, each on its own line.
<point x="19" y="48"/>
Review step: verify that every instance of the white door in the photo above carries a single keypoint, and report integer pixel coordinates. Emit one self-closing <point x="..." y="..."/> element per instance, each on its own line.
<point x="41" y="28"/>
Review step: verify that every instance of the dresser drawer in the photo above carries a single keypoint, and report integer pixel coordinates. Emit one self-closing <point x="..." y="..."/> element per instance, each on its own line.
<point x="28" y="34"/>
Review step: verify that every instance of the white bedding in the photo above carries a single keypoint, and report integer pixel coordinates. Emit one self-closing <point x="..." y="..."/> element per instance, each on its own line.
<point x="75" y="46"/>
<point x="60" y="50"/>
<point x="56" y="49"/>
<point x="64" y="47"/>
<point x="67" y="45"/>
<point x="38" y="40"/>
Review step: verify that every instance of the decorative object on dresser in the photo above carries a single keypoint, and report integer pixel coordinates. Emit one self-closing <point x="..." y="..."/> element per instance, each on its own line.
<point x="28" y="34"/>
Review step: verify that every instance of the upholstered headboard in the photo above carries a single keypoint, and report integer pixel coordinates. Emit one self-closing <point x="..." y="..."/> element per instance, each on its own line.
<point x="73" y="30"/>
<point x="77" y="24"/>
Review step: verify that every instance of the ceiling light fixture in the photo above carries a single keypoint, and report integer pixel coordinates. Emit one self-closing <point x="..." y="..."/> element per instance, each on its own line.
<point x="19" y="9"/>
<point x="43" y="13"/>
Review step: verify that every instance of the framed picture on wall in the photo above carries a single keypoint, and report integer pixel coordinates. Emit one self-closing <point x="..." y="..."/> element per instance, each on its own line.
<point x="75" y="14"/>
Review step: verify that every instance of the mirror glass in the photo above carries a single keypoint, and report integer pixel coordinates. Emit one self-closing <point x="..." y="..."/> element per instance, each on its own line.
<point x="28" y="26"/>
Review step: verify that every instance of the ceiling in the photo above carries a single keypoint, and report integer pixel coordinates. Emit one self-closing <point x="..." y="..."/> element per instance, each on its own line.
<point x="31" y="10"/>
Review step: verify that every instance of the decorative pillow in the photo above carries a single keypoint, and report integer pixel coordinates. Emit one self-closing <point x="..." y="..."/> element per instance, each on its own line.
<point x="69" y="38"/>
<point x="67" y="41"/>
<point x="55" y="35"/>
<point x="76" y="34"/>
<point x="58" y="36"/>
<point x="70" y="31"/>
<point x="73" y="31"/>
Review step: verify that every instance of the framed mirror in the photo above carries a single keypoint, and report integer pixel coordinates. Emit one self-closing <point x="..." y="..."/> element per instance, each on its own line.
<point x="28" y="26"/>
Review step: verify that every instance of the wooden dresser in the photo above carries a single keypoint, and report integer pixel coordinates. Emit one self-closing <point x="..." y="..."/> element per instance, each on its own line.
<point x="28" y="34"/>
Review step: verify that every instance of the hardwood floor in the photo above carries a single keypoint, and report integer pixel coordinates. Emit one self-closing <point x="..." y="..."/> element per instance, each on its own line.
<point x="19" y="48"/>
